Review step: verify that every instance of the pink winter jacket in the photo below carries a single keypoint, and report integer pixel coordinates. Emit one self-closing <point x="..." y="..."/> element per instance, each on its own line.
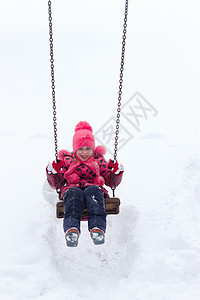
<point x="82" y="174"/>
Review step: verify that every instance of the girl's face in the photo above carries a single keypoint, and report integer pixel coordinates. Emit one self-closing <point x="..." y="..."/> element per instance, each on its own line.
<point x="84" y="153"/>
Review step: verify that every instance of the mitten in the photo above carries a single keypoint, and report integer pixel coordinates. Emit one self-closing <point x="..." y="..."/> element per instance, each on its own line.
<point x="57" y="165"/>
<point x="50" y="168"/>
<point x="115" y="167"/>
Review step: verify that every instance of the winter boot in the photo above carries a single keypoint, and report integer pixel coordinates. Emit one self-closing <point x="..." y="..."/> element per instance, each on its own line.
<point x="97" y="236"/>
<point x="71" y="237"/>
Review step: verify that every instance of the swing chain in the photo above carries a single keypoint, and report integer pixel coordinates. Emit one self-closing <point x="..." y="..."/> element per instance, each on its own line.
<point x="121" y="79"/>
<point x="53" y="80"/>
<point x="113" y="182"/>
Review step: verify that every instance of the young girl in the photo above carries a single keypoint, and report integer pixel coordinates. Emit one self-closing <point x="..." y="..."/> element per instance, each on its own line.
<point x="80" y="176"/>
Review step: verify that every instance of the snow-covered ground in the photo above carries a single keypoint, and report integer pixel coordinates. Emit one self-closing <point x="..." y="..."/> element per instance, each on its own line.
<point x="152" y="249"/>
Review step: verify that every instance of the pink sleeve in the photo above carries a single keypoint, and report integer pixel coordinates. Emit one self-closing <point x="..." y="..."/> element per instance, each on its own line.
<point x="111" y="180"/>
<point x="107" y="174"/>
<point x="54" y="179"/>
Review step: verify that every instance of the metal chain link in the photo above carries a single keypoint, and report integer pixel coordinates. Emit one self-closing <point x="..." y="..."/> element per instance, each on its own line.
<point x="113" y="183"/>
<point x="121" y="80"/>
<point x="53" y="80"/>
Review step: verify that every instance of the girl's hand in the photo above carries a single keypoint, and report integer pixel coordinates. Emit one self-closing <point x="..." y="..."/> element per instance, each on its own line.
<point x="50" y="168"/>
<point x="55" y="167"/>
<point x="115" y="167"/>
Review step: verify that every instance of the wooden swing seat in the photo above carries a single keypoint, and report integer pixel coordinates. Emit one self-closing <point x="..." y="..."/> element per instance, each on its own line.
<point x="111" y="207"/>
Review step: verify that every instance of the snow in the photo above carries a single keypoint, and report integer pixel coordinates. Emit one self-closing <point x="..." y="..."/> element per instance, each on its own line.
<point x="152" y="249"/>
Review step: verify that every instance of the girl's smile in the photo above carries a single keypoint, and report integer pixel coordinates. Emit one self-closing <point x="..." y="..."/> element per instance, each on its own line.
<point x="84" y="153"/>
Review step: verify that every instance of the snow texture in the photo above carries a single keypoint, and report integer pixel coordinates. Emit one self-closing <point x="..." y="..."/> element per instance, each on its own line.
<point x="152" y="248"/>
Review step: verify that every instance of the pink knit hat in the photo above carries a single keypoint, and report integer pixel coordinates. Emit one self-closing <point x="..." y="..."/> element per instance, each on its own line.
<point x="83" y="136"/>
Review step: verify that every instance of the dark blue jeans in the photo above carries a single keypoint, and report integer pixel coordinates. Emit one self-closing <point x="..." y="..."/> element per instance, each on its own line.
<point x="74" y="201"/>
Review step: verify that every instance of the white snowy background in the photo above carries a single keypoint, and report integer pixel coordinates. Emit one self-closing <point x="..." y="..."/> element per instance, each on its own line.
<point x="152" y="249"/>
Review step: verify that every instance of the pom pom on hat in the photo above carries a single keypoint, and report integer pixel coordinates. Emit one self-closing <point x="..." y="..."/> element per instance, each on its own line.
<point x="83" y="125"/>
<point x="72" y="178"/>
<point x="100" y="150"/>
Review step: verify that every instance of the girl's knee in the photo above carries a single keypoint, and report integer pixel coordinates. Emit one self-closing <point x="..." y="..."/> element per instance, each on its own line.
<point x="73" y="191"/>
<point x="93" y="189"/>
